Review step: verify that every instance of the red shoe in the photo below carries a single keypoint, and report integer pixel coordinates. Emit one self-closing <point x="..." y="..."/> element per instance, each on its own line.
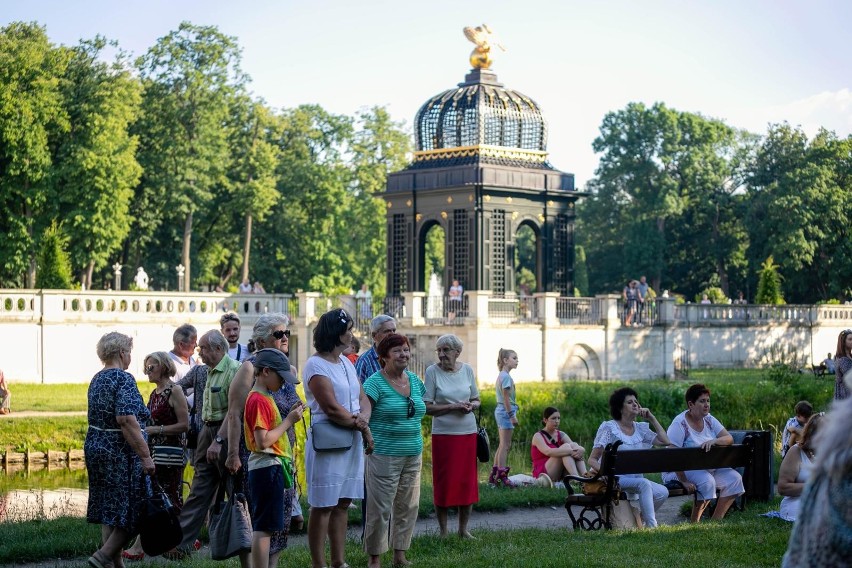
<point x="127" y="555"/>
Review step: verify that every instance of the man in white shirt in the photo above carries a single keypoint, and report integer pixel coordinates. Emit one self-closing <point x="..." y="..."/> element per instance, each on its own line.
<point x="185" y="340"/>
<point x="230" y="327"/>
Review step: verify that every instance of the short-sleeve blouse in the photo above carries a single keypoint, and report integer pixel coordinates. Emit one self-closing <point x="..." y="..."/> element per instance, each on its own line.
<point x="450" y="388"/>
<point x="344" y="380"/>
<point x="642" y="439"/>
<point x="683" y="435"/>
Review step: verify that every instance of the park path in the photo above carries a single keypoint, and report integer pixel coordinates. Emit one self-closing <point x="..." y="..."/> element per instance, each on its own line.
<point x="538" y="517"/>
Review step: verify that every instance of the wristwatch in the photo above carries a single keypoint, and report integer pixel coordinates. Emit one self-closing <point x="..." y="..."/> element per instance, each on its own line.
<point x="218" y="439"/>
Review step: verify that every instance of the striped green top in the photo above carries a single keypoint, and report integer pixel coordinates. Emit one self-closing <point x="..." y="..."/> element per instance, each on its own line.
<point x="394" y="434"/>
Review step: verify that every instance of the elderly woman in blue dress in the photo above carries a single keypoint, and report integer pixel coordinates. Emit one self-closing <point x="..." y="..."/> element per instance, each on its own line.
<point x="116" y="450"/>
<point x="697" y="428"/>
<point x="625" y="409"/>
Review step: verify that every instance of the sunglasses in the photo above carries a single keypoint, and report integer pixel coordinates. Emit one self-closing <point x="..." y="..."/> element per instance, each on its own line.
<point x="344" y="317"/>
<point x="281" y="334"/>
<point x="411" y="409"/>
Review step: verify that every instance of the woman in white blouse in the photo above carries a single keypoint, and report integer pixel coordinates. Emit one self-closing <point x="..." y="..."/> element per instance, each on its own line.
<point x="624" y="408"/>
<point x="695" y="427"/>
<point x="796" y="469"/>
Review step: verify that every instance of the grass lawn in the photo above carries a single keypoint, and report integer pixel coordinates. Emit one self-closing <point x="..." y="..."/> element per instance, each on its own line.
<point x="743" y="539"/>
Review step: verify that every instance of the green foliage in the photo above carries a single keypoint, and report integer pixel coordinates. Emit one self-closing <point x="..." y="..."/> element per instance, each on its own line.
<point x="769" y="285"/>
<point x="714" y="294"/>
<point x="433" y="253"/>
<point x="782" y="364"/>
<point x="54" y="265"/>
<point x="525" y="258"/>
<point x="581" y="270"/>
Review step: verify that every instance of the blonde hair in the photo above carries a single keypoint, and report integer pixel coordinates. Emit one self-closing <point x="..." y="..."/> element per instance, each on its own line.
<point x="164" y="360"/>
<point x="504" y="354"/>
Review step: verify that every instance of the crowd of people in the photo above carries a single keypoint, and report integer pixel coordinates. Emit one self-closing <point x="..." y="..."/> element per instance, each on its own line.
<point x="232" y="416"/>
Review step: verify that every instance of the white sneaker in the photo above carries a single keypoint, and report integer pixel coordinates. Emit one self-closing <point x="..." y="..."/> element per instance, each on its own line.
<point x="544" y="480"/>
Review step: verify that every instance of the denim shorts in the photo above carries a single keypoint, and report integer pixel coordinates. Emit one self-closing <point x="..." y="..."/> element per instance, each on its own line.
<point x="502" y="417"/>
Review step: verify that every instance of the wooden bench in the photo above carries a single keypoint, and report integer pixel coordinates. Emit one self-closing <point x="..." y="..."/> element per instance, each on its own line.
<point x="614" y="463"/>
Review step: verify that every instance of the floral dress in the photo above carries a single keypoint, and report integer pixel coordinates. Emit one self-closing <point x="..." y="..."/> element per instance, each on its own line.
<point x="115" y="470"/>
<point x="170" y="478"/>
<point x="842" y="365"/>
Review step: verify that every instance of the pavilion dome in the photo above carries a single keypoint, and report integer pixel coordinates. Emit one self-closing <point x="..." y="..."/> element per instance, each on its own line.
<point x="480" y="119"/>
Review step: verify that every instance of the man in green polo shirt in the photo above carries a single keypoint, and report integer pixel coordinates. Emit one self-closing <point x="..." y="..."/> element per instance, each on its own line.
<point x="209" y="460"/>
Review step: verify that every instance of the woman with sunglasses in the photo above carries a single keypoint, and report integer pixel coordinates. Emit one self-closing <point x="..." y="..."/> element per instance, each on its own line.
<point x="336" y="477"/>
<point x="451" y="397"/>
<point x="842" y="363"/>
<point x="393" y="469"/>
<point x="269" y="332"/>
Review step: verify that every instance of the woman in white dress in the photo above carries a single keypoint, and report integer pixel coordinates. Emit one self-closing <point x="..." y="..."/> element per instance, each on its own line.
<point x="695" y="427"/>
<point x="334" y="478"/>
<point x="796" y="469"/>
<point x="624" y="408"/>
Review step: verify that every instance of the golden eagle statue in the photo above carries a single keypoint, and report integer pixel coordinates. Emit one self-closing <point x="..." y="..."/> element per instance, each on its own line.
<point x="483" y="37"/>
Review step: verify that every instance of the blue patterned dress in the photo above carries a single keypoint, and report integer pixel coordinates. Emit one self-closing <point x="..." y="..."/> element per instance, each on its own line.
<point x="115" y="471"/>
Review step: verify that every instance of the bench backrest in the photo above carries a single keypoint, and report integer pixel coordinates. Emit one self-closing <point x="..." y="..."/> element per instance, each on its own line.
<point x="677" y="459"/>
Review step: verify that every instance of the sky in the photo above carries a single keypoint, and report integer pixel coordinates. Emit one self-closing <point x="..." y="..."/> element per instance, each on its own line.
<point x="749" y="63"/>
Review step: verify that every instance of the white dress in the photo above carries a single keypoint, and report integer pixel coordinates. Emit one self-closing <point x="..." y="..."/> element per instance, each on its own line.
<point x="790" y="505"/>
<point x="332" y="476"/>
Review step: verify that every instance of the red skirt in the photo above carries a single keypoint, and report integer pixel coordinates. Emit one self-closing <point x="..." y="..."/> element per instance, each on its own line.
<point x="454" y="470"/>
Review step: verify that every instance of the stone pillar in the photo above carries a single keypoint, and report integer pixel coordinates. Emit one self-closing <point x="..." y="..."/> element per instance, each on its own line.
<point x="665" y="307"/>
<point x="413" y="313"/>
<point x="546" y="303"/>
<point x="611" y="320"/>
<point x="478" y="306"/>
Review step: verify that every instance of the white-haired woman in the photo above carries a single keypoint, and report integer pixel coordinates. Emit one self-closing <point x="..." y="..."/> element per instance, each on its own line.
<point x="116" y="450"/>
<point x="451" y="396"/>
<point x="269" y="332"/>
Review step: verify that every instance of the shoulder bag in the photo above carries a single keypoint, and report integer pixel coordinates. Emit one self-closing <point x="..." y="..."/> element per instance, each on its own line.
<point x="328" y="436"/>
<point x="159" y="523"/>
<point x="168" y="456"/>
<point x="230" y="522"/>
<point x="483" y="446"/>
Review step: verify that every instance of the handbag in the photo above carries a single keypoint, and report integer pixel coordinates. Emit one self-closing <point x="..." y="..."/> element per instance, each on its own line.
<point x="168" y="456"/>
<point x="483" y="446"/>
<point x="329" y="437"/>
<point x="289" y="471"/>
<point x="159" y="522"/>
<point x="598" y="486"/>
<point x="230" y="523"/>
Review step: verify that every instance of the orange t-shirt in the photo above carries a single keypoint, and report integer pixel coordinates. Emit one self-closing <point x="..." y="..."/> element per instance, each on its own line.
<point x="262" y="412"/>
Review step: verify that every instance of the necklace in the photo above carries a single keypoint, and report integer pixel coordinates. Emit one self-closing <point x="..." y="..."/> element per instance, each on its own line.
<point x="400" y="383"/>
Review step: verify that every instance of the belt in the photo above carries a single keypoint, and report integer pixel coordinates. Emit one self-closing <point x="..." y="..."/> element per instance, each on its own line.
<point x="213" y="422"/>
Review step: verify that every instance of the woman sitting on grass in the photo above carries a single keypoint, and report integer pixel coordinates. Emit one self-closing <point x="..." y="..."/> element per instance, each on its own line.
<point x="796" y="468"/>
<point x="624" y="408"/>
<point x="553" y="453"/>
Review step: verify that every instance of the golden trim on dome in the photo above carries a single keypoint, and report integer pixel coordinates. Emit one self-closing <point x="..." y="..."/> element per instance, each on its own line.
<point x="482" y="150"/>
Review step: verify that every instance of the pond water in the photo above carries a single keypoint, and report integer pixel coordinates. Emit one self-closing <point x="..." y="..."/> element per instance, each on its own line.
<point x="40" y="493"/>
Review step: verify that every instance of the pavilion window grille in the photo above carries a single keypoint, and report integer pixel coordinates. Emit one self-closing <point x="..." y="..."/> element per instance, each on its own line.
<point x="461" y="235"/>
<point x="399" y="272"/>
<point x="498" y="254"/>
<point x="561" y="261"/>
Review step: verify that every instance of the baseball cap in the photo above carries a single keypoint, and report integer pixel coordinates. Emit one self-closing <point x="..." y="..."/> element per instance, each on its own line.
<point x="277" y="361"/>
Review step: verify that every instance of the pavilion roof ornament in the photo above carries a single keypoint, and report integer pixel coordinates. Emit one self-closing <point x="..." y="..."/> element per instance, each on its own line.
<point x="483" y="37"/>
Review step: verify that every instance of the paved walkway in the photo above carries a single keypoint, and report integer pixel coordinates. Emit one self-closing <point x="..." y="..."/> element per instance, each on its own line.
<point x="539" y="517"/>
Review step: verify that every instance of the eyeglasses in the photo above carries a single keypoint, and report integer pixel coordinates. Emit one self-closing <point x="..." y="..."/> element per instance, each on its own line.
<point x="411" y="409"/>
<point x="846" y="332"/>
<point x="281" y="334"/>
<point x="444" y="350"/>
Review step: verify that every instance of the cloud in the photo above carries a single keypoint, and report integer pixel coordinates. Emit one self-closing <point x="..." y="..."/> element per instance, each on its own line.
<point x="830" y="109"/>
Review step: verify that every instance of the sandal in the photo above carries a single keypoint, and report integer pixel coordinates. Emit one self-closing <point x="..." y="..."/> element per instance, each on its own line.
<point x="127" y="555"/>
<point x="96" y="561"/>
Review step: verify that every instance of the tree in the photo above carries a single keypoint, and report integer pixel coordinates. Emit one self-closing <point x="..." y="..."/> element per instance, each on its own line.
<point x="31" y="112"/>
<point x="769" y="285"/>
<point x="191" y="77"/>
<point x="95" y="165"/>
<point x="433" y="253"/>
<point x="54" y="266"/>
<point x="581" y="271"/>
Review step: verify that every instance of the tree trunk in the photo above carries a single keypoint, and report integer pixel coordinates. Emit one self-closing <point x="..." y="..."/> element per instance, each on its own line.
<point x="31" y="270"/>
<point x="185" y="260"/>
<point x="246" y="248"/>
<point x="89" y="274"/>
<point x="657" y="278"/>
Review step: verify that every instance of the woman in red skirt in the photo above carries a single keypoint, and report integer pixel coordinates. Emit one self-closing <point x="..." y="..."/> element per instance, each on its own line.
<point x="451" y="397"/>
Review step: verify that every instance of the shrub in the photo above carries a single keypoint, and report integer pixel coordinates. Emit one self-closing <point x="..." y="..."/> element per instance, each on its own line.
<point x="54" y="265"/>
<point x="714" y="294"/>
<point x="769" y="285"/>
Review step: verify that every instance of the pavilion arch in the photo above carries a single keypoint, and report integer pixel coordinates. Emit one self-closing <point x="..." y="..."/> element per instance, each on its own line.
<point x="581" y="363"/>
<point x="529" y="222"/>
<point x="422" y="276"/>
